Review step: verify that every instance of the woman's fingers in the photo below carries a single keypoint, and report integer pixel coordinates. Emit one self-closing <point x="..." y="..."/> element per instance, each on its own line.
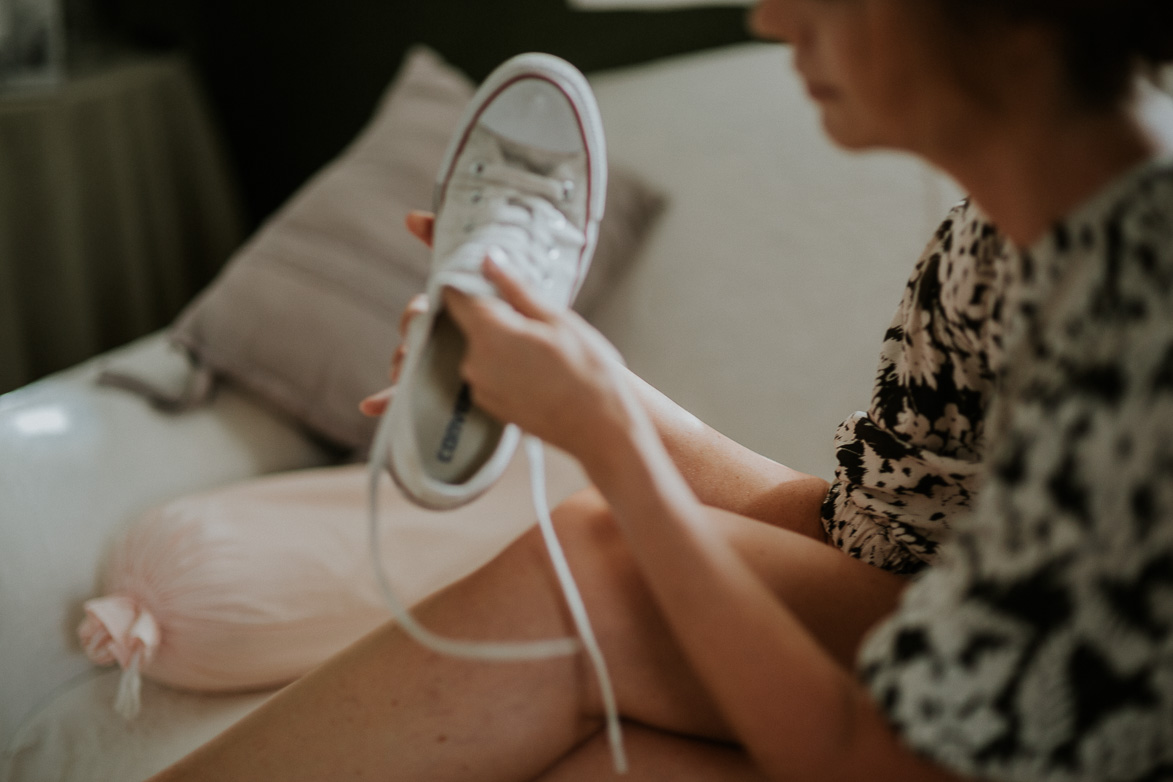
<point x="397" y="362"/>
<point x="417" y="306"/>
<point x="473" y="313"/>
<point x="421" y="225"/>
<point x="514" y="291"/>
<point x="376" y="404"/>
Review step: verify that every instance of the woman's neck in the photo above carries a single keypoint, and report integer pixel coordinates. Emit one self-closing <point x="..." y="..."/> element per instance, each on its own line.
<point x="1028" y="175"/>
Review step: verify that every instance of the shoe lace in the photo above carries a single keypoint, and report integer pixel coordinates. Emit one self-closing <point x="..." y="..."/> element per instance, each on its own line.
<point x="517" y="211"/>
<point x="505" y="651"/>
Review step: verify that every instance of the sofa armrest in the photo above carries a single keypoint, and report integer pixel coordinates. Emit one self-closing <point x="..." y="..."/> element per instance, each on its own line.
<point x="77" y="461"/>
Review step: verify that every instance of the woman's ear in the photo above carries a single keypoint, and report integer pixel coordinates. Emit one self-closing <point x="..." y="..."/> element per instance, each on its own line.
<point x="1009" y="63"/>
<point x="1037" y="52"/>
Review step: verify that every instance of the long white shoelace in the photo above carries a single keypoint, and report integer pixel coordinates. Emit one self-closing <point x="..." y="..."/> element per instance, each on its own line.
<point x="514" y="211"/>
<point x="515" y="207"/>
<point x="507" y="651"/>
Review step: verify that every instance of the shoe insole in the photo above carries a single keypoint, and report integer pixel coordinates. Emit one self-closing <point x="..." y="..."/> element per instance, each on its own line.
<point x="455" y="437"/>
<point x="535" y="113"/>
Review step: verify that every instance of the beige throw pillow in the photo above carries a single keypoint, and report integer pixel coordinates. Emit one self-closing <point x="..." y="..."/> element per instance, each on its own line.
<point x="305" y="314"/>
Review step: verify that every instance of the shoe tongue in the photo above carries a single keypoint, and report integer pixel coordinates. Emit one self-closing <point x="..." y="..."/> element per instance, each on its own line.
<point x="543" y="162"/>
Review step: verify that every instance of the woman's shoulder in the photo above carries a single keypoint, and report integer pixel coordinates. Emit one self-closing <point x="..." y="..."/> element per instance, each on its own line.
<point x="1110" y="260"/>
<point x="966" y="238"/>
<point x="964" y="229"/>
<point x="1128" y="233"/>
<point x="1135" y="209"/>
<point x="960" y="275"/>
<point x="1144" y="212"/>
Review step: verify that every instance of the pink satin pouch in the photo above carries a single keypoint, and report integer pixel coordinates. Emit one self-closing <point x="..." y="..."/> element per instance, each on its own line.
<point x="250" y="586"/>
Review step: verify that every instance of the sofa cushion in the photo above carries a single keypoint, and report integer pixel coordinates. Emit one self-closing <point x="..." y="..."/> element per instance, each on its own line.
<point x="760" y="300"/>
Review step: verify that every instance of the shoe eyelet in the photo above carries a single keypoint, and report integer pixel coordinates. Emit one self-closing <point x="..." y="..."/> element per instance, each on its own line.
<point x="476" y="196"/>
<point x="477" y="168"/>
<point x="567" y="190"/>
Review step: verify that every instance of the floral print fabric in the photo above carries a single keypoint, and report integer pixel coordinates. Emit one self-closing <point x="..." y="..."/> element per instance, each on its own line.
<point x="912" y="463"/>
<point x="1039" y="645"/>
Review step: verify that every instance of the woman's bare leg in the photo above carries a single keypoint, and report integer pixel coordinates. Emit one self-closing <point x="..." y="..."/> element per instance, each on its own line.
<point x="656" y="756"/>
<point x="389" y="709"/>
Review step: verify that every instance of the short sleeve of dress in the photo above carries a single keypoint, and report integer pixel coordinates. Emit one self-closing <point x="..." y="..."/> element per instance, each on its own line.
<point x="909" y="464"/>
<point x="1040" y="646"/>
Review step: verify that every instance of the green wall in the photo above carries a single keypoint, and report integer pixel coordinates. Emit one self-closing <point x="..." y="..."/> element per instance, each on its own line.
<point x="291" y="81"/>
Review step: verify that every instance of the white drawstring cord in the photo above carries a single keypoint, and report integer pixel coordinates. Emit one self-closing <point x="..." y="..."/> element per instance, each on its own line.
<point x="537" y="463"/>
<point x="504" y="651"/>
<point x="515" y="211"/>
<point x="128" y="702"/>
<point x="476" y="650"/>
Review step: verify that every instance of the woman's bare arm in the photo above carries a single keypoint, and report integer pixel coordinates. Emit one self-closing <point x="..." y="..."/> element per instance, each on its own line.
<point x="798" y="712"/>
<point x="720" y="471"/>
<point x="725" y="474"/>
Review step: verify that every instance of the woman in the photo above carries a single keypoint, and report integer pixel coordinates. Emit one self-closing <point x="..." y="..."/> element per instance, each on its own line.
<point x="1020" y="442"/>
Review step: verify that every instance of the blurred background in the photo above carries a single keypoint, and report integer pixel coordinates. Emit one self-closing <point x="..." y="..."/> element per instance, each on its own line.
<point x="142" y="140"/>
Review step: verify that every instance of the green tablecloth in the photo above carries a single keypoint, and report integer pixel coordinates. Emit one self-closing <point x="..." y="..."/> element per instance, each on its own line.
<point x="116" y="204"/>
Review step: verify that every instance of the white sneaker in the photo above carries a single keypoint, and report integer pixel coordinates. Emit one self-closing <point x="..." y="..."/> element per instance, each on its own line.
<point x="524" y="180"/>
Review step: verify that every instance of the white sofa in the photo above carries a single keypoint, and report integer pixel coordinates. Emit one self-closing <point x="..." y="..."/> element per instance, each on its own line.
<point x="758" y="303"/>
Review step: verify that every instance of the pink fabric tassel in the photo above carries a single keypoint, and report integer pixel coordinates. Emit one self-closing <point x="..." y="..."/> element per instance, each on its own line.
<point x="118" y="629"/>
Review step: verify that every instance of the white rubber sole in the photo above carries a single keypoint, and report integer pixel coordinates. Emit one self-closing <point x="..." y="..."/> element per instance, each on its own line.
<point x="445" y="452"/>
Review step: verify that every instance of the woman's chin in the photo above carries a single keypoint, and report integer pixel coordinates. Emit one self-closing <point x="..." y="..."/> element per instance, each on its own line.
<point x="853" y="132"/>
<point x="848" y="134"/>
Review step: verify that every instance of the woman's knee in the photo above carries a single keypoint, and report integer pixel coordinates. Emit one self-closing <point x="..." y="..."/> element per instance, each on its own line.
<point x="595" y="549"/>
<point x="655" y="754"/>
<point x="653" y="682"/>
<point x="604" y="570"/>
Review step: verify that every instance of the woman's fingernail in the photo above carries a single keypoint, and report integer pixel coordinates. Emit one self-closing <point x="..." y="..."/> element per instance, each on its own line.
<point x="381" y="396"/>
<point x="495" y="260"/>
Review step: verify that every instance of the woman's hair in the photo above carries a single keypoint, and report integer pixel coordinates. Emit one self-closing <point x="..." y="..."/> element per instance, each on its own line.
<point x="1104" y="41"/>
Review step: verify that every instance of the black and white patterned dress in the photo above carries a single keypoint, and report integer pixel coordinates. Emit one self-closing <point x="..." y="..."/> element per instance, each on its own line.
<point x="1020" y="442"/>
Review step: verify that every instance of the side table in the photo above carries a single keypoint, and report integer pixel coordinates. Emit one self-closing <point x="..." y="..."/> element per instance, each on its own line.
<point x="116" y="205"/>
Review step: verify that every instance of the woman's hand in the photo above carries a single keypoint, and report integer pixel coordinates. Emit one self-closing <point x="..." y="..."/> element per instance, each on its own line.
<point x="420" y="224"/>
<point x="543" y="368"/>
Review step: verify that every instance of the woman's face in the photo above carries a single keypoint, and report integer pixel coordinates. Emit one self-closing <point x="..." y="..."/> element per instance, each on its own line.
<point x="879" y="70"/>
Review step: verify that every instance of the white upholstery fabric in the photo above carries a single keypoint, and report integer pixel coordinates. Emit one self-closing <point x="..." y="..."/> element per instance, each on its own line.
<point x="76" y="461"/>
<point x="77" y="737"/>
<point x="761" y="298"/>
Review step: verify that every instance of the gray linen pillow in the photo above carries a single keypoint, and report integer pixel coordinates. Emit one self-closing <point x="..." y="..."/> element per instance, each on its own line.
<point x="305" y="313"/>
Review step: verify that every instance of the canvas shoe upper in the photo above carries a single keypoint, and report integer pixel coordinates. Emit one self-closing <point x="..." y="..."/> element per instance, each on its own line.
<point x="523" y="180"/>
